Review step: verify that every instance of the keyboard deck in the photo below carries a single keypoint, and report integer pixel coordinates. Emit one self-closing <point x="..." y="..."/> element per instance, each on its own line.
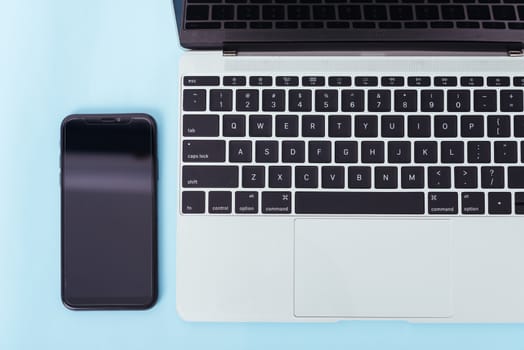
<point x="341" y="144"/>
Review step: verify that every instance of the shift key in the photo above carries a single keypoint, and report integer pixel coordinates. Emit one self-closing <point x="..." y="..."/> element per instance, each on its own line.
<point x="204" y="151"/>
<point x="209" y="176"/>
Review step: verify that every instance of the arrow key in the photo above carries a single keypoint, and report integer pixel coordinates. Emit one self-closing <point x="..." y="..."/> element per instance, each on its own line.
<point x="499" y="202"/>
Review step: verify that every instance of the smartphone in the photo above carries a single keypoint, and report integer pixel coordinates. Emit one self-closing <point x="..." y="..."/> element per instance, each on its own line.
<point x="109" y="211"/>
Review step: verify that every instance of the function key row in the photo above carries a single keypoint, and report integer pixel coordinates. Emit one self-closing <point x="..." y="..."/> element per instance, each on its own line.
<point x="472" y="81"/>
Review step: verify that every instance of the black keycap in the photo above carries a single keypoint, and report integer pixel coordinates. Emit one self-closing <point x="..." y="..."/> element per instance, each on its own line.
<point x="452" y="152"/>
<point x="253" y="177"/>
<point x="432" y="100"/>
<point x="246" y="202"/>
<point x="222" y="12"/>
<point x="313" y="126"/>
<point x="386" y="177"/>
<point x="313" y="81"/>
<point x="266" y="151"/>
<point x="472" y="203"/>
<point x="492" y="177"/>
<point x="439" y="177"/>
<point x="472" y="126"/>
<point x="471" y="81"/>
<point x="519" y="125"/>
<point x="412" y="177"/>
<point x="499" y="203"/>
<point x="234" y="81"/>
<point x="200" y="125"/>
<point x="405" y="100"/>
<point x="194" y="100"/>
<point x="505" y="152"/>
<point x="260" y="126"/>
<point x="333" y="177"/>
<point x="519" y="81"/>
<point x="399" y="152"/>
<point x="298" y="12"/>
<point x="466" y="177"/>
<point x="379" y="100"/>
<point x="300" y="100"/>
<point x="372" y="152"/>
<point x="401" y="13"/>
<point x="248" y="12"/>
<point x="319" y="152"/>
<point x="359" y="177"/>
<point x="240" y="151"/>
<point x="445" y="81"/>
<point x="511" y="100"/>
<point x="339" y="126"/>
<point x="219" y="202"/>
<point x="234" y="125"/>
<point x="366" y="81"/>
<point x="519" y="201"/>
<point x="479" y="152"/>
<point x="419" y="126"/>
<point x="515" y="177"/>
<point x="204" y="151"/>
<point x="444" y="203"/>
<point x="339" y="81"/>
<point x="287" y="81"/>
<point x="323" y="12"/>
<point x="279" y="176"/>
<point x="366" y="126"/>
<point x="351" y="12"/>
<point x="293" y="152"/>
<point x="201" y="81"/>
<point x="425" y="152"/>
<point x="326" y="100"/>
<point x="499" y="126"/>
<point x="306" y="177"/>
<point x="485" y="100"/>
<point x="273" y="100"/>
<point x="427" y="12"/>
<point x="419" y="81"/>
<point x="346" y="151"/>
<point x="260" y="81"/>
<point x="375" y="12"/>
<point x="445" y="126"/>
<point x="359" y="203"/>
<point x="193" y="202"/>
<point x="352" y="100"/>
<point x="392" y="81"/>
<point x="247" y="100"/>
<point x="476" y="12"/>
<point x="210" y="176"/>
<point x="221" y="100"/>
<point x="459" y="101"/>
<point x="276" y="202"/>
<point x="286" y="125"/>
<point x="392" y="126"/>
<point x="498" y="81"/>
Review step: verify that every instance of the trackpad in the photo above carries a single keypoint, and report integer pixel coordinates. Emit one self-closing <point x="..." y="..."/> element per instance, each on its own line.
<point x="372" y="268"/>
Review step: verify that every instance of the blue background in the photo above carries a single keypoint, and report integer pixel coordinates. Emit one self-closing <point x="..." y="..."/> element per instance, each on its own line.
<point x="59" y="57"/>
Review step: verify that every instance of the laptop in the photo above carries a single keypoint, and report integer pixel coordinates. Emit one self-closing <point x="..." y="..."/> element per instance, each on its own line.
<point x="351" y="159"/>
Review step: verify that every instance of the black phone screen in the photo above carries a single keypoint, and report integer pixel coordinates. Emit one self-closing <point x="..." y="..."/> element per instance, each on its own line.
<point x="108" y="212"/>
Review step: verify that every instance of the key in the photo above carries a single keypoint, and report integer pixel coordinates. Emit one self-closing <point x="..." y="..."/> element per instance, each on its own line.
<point x="519" y="81"/>
<point x="306" y="177"/>
<point x="519" y="203"/>
<point x="240" y="151"/>
<point x="201" y="81"/>
<point x="247" y="100"/>
<point x="200" y="125"/>
<point x="499" y="203"/>
<point x="286" y="125"/>
<point x="333" y="177"/>
<point x="372" y="152"/>
<point x="287" y="81"/>
<point x="260" y="81"/>
<point x="339" y="126"/>
<point x="505" y="152"/>
<point x="399" y="152"/>
<point x="479" y="152"/>
<point x="366" y="126"/>
<point x="459" y="101"/>
<point x="260" y="126"/>
<point x="519" y="125"/>
<point x="492" y="177"/>
<point x="276" y="202"/>
<point x="253" y="176"/>
<point x="359" y="177"/>
<point x="266" y="151"/>
<point x="352" y="100"/>
<point x="442" y="203"/>
<point x="471" y="81"/>
<point x="386" y="177"/>
<point x="194" y="100"/>
<point x="313" y="81"/>
<point x="445" y="81"/>
<point x="234" y="81"/>
<point x="432" y="100"/>
<point x="246" y="202"/>
<point x="193" y="202"/>
<point x="472" y="126"/>
<point x="445" y="126"/>
<point x="498" y="126"/>
<point x="452" y="152"/>
<point x="204" y="151"/>
<point x="379" y="100"/>
<point x="511" y="100"/>
<point x="419" y="81"/>
<point x="319" y="152"/>
<point x="498" y="81"/>
<point x="419" y="126"/>
<point x="425" y="152"/>
<point x="346" y="152"/>
<point x="392" y="126"/>
<point x="219" y="202"/>
<point x="234" y="125"/>
<point x="279" y="176"/>
<point x="465" y="177"/>
<point x="313" y="126"/>
<point x="300" y="100"/>
<point x="485" y="100"/>
<point x="221" y="100"/>
<point x="359" y="203"/>
<point x="405" y="100"/>
<point x="392" y="81"/>
<point x="439" y="177"/>
<point x="293" y="152"/>
<point x="273" y="100"/>
<point x="210" y="176"/>
<point x="412" y="177"/>
<point x="515" y="177"/>
<point x="339" y="81"/>
<point x="366" y="81"/>
<point x="326" y="100"/>
<point x="222" y="12"/>
<point x="472" y="203"/>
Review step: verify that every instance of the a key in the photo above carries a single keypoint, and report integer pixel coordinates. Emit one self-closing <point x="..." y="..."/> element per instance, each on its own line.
<point x="445" y="81"/>
<point x="273" y="100"/>
<point x="466" y="177"/>
<point x="286" y="81"/>
<point x="412" y="177"/>
<point x="260" y="126"/>
<point x="511" y="100"/>
<point x="405" y="100"/>
<point x="518" y="125"/>
<point x="247" y="100"/>
<point x="479" y="152"/>
<point x="240" y="151"/>
<point x="498" y="81"/>
<point x="471" y="81"/>
<point x="194" y="100"/>
<point x="366" y="126"/>
<point x="266" y="151"/>
<point x="339" y="126"/>
<point x="458" y="101"/>
<point x="234" y="81"/>
<point x="300" y="100"/>
<point x="399" y="152"/>
<point x="276" y="202"/>
<point x="293" y="152"/>
<point x="313" y="81"/>
<point x="319" y="152"/>
<point x="221" y="100"/>
<point x="253" y="176"/>
<point x="392" y="81"/>
<point x="472" y="203"/>
<point x="515" y="177"/>
<point x="499" y="203"/>
<point x="444" y="203"/>
<point x="472" y="126"/>
<point x="485" y="100"/>
<point x="260" y="81"/>
<point x="505" y="152"/>
<point x="439" y="177"/>
<point x="352" y="100"/>
<point x="359" y="177"/>
<point x="392" y="126"/>
<point x="425" y="152"/>
<point x="346" y="152"/>
<point x="339" y="81"/>
<point x="200" y="125"/>
<point x="419" y="126"/>
<point x="313" y="126"/>
<point x="234" y="125"/>
<point x="445" y="126"/>
<point x="286" y="125"/>
<point x="379" y="100"/>
<point x="386" y="177"/>
<point x="279" y="176"/>
<point x="219" y="202"/>
<point x="201" y="80"/>
<point x="452" y="152"/>
<point x="333" y="177"/>
<point x="519" y="203"/>
<point x="419" y="81"/>
<point x="499" y="126"/>
<point x="372" y="152"/>
<point x="492" y="177"/>
<point x="209" y="176"/>
<point x="204" y="151"/>
<point x="432" y="100"/>
<point x="326" y="100"/>
<point x="366" y="81"/>
<point x="246" y="202"/>
<point x="306" y="177"/>
<point x="193" y="202"/>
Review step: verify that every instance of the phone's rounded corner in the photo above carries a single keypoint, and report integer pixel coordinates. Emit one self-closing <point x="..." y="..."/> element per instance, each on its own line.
<point x="68" y="304"/>
<point x="150" y="302"/>
<point x="68" y="118"/>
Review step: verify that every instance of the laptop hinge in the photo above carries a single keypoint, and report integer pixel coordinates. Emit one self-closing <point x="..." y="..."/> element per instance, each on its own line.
<point x="229" y="53"/>
<point x="516" y="53"/>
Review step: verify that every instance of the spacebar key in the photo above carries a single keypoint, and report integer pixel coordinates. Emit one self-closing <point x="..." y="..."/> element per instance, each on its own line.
<point x="359" y="203"/>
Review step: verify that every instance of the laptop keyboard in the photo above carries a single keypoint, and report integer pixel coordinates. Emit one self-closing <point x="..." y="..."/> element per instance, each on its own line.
<point x="357" y="14"/>
<point x="406" y="145"/>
